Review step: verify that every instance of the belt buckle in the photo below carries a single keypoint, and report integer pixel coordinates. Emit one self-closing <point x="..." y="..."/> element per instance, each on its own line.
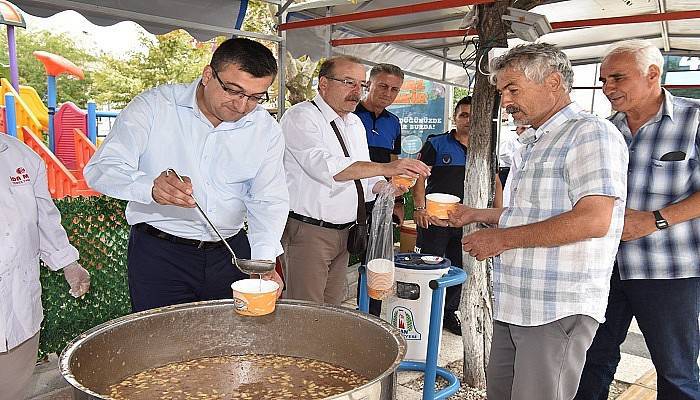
<point x="201" y="244"/>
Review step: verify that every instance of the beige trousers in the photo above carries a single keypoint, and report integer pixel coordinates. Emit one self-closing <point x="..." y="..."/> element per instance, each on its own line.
<point x="315" y="261"/>
<point x="16" y="369"/>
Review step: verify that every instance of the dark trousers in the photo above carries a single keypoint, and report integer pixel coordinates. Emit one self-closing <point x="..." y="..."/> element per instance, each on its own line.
<point x="667" y="313"/>
<point x="163" y="273"/>
<point x="443" y="242"/>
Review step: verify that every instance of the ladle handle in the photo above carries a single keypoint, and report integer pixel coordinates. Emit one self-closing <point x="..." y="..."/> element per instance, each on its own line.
<point x="235" y="259"/>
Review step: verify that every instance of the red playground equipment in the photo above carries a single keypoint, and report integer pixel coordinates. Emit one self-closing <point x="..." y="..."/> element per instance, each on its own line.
<point x="24" y="115"/>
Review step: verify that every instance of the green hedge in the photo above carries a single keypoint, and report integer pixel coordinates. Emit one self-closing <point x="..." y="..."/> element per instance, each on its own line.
<point x="97" y="228"/>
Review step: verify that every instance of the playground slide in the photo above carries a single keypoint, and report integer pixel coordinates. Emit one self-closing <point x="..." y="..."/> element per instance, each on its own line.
<point x="36" y="105"/>
<point x="62" y="181"/>
<point x="25" y="116"/>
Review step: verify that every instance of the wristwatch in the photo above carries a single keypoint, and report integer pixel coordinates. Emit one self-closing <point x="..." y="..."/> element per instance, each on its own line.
<point x="661" y="222"/>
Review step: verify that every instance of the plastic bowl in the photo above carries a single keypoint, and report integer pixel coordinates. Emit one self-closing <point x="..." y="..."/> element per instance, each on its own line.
<point x="254" y="296"/>
<point x="431" y="259"/>
<point x="438" y="204"/>
<point x="406" y="181"/>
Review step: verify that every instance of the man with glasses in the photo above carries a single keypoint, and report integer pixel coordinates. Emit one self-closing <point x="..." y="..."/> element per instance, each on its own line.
<point x="228" y="151"/>
<point x="323" y="197"/>
<point x="383" y="131"/>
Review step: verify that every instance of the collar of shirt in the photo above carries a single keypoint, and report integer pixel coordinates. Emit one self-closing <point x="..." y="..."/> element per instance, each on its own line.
<point x="361" y="108"/>
<point x="666" y="109"/>
<point x="329" y="114"/>
<point x="532" y="135"/>
<point x="188" y="99"/>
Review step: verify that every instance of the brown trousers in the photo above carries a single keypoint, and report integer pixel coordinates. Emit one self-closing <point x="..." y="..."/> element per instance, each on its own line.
<point x="16" y="369"/>
<point x="315" y="261"/>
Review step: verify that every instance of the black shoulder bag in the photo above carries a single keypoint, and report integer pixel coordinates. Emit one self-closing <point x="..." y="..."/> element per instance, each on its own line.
<point x="358" y="235"/>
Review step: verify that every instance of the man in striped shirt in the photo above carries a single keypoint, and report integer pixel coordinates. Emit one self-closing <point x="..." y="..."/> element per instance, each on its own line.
<point x="657" y="275"/>
<point x="557" y="234"/>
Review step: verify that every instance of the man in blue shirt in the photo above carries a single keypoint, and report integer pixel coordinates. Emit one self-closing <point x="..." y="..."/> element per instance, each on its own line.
<point x="383" y="130"/>
<point x="656" y="278"/>
<point x="229" y="150"/>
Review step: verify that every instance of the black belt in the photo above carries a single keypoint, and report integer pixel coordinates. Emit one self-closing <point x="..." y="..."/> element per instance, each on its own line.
<point x="318" y="222"/>
<point x="155" y="232"/>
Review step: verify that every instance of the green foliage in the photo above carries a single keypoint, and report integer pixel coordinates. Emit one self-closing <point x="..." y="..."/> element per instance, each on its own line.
<point x="457" y="94"/>
<point x="174" y="57"/>
<point x="260" y="18"/>
<point x="32" y="72"/>
<point x="97" y="228"/>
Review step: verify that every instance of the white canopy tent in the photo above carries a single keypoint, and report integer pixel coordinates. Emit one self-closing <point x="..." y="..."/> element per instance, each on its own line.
<point x="438" y="54"/>
<point x="398" y="38"/>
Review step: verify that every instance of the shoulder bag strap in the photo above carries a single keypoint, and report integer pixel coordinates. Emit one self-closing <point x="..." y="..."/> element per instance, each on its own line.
<point x="361" y="210"/>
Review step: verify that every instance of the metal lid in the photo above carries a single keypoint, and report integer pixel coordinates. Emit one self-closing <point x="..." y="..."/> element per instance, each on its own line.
<point x="414" y="261"/>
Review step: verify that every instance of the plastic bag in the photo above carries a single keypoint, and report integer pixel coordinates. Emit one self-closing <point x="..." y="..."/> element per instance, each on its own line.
<point x="380" y="251"/>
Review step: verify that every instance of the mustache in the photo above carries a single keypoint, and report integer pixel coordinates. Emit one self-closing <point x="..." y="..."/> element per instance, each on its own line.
<point x="352" y="97"/>
<point x="512" y="109"/>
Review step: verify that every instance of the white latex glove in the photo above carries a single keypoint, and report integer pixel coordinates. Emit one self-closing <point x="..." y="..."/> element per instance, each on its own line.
<point x="78" y="278"/>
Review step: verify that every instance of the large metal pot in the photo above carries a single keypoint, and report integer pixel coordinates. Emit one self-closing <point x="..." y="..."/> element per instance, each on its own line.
<point x="110" y="352"/>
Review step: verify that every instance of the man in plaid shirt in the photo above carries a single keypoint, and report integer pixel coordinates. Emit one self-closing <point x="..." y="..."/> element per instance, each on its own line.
<point x="657" y="275"/>
<point x="557" y="234"/>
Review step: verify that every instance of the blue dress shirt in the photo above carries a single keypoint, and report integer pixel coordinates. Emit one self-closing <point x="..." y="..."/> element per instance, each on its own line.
<point x="236" y="168"/>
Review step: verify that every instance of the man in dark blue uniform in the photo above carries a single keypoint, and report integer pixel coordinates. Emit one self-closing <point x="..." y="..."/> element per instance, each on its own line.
<point x="447" y="155"/>
<point x="383" y="130"/>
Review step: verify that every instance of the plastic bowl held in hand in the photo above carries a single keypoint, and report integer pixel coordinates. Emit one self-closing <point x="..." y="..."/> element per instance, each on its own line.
<point x="254" y="296"/>
<point x="438" y="204"/>
<point x="406" y="181"/>
<point x="380" y="278"/>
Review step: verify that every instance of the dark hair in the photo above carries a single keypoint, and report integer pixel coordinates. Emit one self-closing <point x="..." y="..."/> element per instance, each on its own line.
<point x="328" y="64"/>
<point x="390" y="69"/>
<point x="249" y="55"/>
<point x="464" y="101"/>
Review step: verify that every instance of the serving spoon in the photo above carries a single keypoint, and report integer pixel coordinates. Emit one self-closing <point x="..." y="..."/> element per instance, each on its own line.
<point x="250" y="267"/>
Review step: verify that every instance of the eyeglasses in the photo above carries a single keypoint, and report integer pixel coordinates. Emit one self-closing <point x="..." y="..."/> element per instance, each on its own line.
<point x="350" y="83"/>
<point x="239" y="94"/>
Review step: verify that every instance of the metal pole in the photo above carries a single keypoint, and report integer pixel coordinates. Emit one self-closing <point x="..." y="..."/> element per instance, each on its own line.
<point x="282" y="60"/>
<point x="92" y="121"/>
<point x="329" y="38"/>
<point x="10" y="114"/>
<point x="51" y="102"/>
<point x="12" y="49"/>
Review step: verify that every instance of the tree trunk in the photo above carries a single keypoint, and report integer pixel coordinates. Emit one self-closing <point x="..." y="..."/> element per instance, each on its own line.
<point x="477" y="292"/>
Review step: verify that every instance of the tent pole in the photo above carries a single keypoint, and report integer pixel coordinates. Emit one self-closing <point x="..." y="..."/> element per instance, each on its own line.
<point x="282" y="61"/>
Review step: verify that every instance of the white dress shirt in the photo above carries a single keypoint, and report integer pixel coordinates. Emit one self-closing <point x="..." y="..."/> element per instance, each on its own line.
<point x="30" y="228"/>
<point x="236" y="168"/>
<point x="313" y="156"/>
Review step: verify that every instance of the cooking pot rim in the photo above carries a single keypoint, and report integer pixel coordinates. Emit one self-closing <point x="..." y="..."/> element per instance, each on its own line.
<point x="76" y="343"/>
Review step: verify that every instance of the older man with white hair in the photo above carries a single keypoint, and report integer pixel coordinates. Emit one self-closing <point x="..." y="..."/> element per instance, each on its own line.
<point x="657" y="275"/>
<point x="557" y="234"/>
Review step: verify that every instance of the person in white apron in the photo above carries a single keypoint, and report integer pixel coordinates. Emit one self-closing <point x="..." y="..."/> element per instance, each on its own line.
<point x="30" y="229"/>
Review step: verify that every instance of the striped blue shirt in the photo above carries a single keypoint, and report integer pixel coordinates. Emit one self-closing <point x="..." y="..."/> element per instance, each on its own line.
<point x="663" y="170"/>
<point x="573" y="155"/>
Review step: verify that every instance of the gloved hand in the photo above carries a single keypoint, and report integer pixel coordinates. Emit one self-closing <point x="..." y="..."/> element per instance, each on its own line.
<point x="78" y="278"/>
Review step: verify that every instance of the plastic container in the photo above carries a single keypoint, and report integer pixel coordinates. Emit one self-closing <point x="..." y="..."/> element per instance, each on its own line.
<point x="438" y="204"/>
<point x="254" y="296"/>
<point x="409" y="309"/>
<point x="380" y="278"/>
<point x="406" y="181"/>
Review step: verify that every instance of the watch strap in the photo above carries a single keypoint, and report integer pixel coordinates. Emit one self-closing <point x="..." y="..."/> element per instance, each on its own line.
<point x="661" y="222"/>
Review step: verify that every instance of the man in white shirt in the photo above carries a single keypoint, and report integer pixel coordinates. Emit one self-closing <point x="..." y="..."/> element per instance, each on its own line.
<point x="229" y="150"/>
<point x="323" y="196"/>
<point x="30" y="227"/>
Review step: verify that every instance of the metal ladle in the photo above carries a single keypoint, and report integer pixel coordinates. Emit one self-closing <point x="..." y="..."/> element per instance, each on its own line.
<point x="250" y="267"/>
